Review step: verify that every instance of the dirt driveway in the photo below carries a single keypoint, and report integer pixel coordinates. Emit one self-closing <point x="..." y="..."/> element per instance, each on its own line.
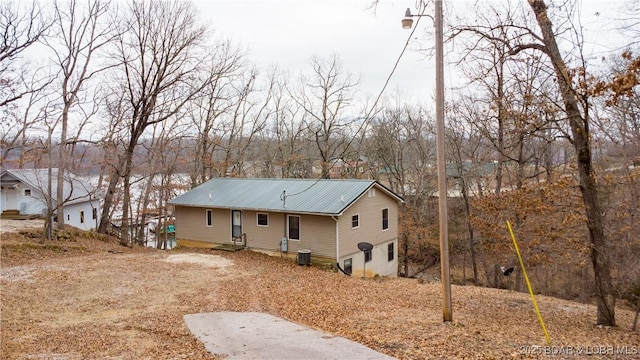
<point x="90" y="298"/>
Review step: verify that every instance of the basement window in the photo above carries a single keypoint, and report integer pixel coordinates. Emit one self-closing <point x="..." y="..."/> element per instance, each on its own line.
<point x="348" y="267"/>
<point x="209" y="217"/>
<point x="81" y="217"/>
<point x="390" y="252"/>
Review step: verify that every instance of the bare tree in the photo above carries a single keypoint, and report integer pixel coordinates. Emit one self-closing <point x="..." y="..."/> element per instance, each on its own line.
<point x="161" y="57"/>
<point x="523" y="38"/>
<point x="207" y="109"/>
<point x="246" y="119"/>
<point x="22" y="83"/>
<point x="469" y="163"/>
<point x="17" y="124"/>
<point x="579" y="121"/>
<point x="79" y="34"/>
<point x="281" y="146"/>
<point x="21" y="27"/>
<point x="400" y="145"/>
<point x="325" y="97"/>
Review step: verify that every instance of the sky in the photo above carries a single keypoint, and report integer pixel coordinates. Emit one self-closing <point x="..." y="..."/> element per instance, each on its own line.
<point x="368" y="41"/>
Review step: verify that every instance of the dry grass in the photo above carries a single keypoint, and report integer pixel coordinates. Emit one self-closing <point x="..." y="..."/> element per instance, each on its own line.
<point x="90" y="298"/>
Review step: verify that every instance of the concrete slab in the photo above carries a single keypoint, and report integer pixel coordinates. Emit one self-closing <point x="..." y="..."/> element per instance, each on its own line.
<point x="252" y="335"/>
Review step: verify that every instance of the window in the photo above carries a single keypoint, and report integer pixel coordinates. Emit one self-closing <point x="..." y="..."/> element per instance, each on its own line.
<point x="294" y="227"/>
<point x="390" y="252"/>
<point x="385" y="219"/>
<point x="68" y="217"/>
<point x="348" y="268"/>
<point x="372" y="192"/>
<point x="355" y="221"/>
<point x="263" y="219"/>
<point x="209" y="217"/>
<point x="81" y="217"/>
<point x="367" y="256"/>
<point x="95" y="213"/>
<point x="361" y="169"/>
<point x="27" y="192"/>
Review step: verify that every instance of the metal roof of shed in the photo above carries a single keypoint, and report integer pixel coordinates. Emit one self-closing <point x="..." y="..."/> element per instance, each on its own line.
<point x="316" y="196"/>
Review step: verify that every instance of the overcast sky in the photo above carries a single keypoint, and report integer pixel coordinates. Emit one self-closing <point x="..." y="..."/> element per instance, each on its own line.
<point x="289" y="33"/>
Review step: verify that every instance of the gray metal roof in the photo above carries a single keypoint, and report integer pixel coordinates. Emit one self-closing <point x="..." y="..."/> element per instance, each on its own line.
<point x="316" y="196"/>
<point x="74" y="189"/>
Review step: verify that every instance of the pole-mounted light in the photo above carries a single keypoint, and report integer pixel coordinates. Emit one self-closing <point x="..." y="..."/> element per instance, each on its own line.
<point x="407" y="22"/>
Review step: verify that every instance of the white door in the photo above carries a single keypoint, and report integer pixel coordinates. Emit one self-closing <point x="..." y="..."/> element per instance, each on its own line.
<point x="11" y="199"/>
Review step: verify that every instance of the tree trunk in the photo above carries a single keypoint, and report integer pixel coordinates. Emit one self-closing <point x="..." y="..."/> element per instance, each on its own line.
<point x="105" y="218"/>
<point x="125" y="238"/>
<point x="501" y="124"/>
<point x="472" y="248"/>
<point x="62" y="166"/>
<point x="581" y="142"/>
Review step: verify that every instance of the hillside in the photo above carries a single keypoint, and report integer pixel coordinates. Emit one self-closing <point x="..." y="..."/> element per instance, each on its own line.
<point x="91" y="298"/>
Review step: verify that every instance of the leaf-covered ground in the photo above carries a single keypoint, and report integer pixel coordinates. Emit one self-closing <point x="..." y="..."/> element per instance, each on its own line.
<point x="92" y="299"/>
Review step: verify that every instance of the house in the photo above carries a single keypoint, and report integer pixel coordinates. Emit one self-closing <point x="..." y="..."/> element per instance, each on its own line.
<point x="323" y="218"/>
<point x="354" y="169"/>
<point x="24" y="193"/>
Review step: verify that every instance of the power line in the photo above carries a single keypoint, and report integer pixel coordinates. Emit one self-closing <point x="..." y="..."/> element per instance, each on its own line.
<point x="367" y="117"/>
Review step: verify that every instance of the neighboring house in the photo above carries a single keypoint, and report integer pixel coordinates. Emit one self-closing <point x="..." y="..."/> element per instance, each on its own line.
<point x="24" y="192"/>
<point x="356" y="169"/>
<point x="294" y="216"/>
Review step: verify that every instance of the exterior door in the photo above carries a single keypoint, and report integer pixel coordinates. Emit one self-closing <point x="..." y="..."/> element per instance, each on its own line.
<point x="236" y="226"/>
<point x="11" y="200"/>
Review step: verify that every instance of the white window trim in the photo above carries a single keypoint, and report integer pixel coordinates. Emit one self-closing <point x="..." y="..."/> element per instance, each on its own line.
<point x="257" y="217"/>
<point x="355" y="227"/>
<point x="25" y="193"/>
<point x="299" y="228"/>
<point x="206" y="217"/>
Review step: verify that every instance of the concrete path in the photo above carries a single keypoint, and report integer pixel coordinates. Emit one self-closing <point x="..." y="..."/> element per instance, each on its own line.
<point x="251" y="335"/>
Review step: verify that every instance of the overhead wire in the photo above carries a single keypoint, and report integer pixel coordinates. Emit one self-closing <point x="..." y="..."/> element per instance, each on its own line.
<point x="367" y="117"/>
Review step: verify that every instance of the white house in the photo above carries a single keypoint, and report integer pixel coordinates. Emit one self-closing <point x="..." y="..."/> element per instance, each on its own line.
<point x="24" y="192"/>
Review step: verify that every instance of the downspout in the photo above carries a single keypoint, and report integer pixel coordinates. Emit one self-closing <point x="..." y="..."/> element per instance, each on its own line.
<point x="337" y="241"/>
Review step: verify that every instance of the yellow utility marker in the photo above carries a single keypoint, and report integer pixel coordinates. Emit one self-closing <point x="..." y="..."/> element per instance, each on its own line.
<point x="526" y="278"/>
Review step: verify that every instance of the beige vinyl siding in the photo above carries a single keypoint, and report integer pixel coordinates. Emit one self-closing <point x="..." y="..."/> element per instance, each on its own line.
<point x="318" y="234"/>
<point x="369" y="211"/>
<point x="263" y="237"/>
<point x="191" y="224"/>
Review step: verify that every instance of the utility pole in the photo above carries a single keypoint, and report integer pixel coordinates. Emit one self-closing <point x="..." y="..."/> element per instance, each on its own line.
<point x="442" y="171"/>
<point x="407" y="22"/>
